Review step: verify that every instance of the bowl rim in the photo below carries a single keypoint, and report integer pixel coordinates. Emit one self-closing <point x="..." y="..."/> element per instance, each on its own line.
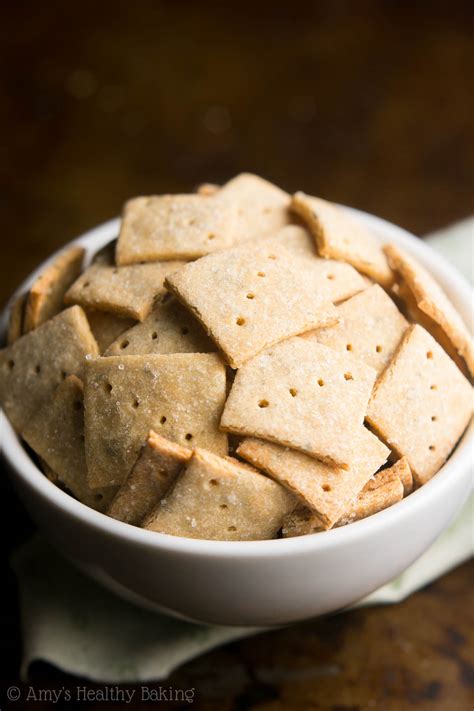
<point x="461" y="459"/>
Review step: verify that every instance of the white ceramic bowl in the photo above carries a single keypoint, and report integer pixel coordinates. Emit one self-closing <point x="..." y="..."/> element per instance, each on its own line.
<point x="252" y="582"/>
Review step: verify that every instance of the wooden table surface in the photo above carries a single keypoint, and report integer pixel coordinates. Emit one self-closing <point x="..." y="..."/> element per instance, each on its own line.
<point x="368" y="104"/>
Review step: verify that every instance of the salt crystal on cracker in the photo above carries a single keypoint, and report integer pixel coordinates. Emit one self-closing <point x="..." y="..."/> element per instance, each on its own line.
<point x="34" y="365"/>
<point x="338" y="235"/>
<point x="249" y="297"/>
<point x="129" y="292"/>
<point x="46" y="295"/>
<point x="218" y="499"/>
<point x="303" y="395"/>
<point x="327" y="490"/>
<point x="154" y="472"/>
<point x="433" y="302"/>
<point x="170" y="328"/>
<point x="422" y="404"/>
<point x="164" y="227"/>
<point x="370" y="328"/>
<point x="180" y="396"/>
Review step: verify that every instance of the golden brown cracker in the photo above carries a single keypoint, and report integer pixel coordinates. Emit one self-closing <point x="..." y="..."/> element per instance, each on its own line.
<point x="422" y="404"/>
<point x="219" y="499"/>
<point x="154" y="472"/>
<point x="33" y="366"/>
<point x="338" y="235"/>
<point x="15" y="322"/>
<point x="176" y="227"/>
<point x="303" y="395"/>
<point x="180" y="396"/>
<point x="250" y="297"/>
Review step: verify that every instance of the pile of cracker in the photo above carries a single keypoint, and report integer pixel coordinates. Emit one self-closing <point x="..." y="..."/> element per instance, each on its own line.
<point x="240" y="364"/>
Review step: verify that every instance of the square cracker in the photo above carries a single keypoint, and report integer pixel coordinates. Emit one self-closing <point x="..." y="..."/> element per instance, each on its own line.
<point x="56" y="434"/>
<point x="340" y="236"/>
<point x="15" y="322"/>
<point x="261" y="207"/>
<point x="303" y="395"/>
<point x="125" y="291"/>
<point x="381" y="491"/>
<point x="154" y="472"/>
<point x="433" y="302"/>
<point x="169" y="328"/>
<point x="220" y="499"/>
<point x="107" y="327"/>
<point x="327" y="490"/>
<point x="248" y="298"/>
<point x="181" y="396"/>
<point x="422" y="404"/>
<point x="46" y="295"/>
<point x="174" y="227"/>
<point x="370" y="328"/>
<point x="33" y="366"/>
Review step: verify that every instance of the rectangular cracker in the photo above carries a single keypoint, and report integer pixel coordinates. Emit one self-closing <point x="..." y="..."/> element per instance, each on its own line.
<point x="164" y="227"/>
<point x="402" y="469"/>
<point x="370" y="328"/>
<point x="129" y="292"/>
<point x="46" y="295"/>
<point x="107" y="327"/>
<point x="169" y="328"/>
<point x="181" y="396"/>
<point x="328" y="491"/>
<point x="56" y="434"/>
<point x="338" y="235"/>
<point x="422" y="404"/>
<point x="153" y="474"/>
<point x="33" y="366"/>
<point x="432" y="301"/>
<point x="261" y="207"/>
<point x="219" y="499"/>
<point x="15" y="322"/>
<point x="248" y="298"/>
<point x="381" y="491"/>
<point x="303" y="395"/>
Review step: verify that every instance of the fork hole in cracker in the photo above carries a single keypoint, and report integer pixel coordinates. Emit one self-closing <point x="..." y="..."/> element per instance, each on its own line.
<point x="432" y="447"/>
<point x="293" y="392"/>
<point x="213" y="482"/>
<point x="223" y="506"/>
<point x="124" y="344"/>
<point x="240" y="321"/>
<point x="263" y="403"/>
<point x="348" y="376"/>
<point x="162" y="420"/>
<point x="86" y="284"/>
<point x="211" y="236"/>
<point x="321" y="382"/>
<point x="261" y="274"/>
<point x="378" y="349"/>
<point x="184" y="330"/>
<point x="326" y="487"/>
<point x="330" y="276"/>
<point x="250" y="295"/>
<point x="429" y="355"/>
<point x="136" y="404"/>
<point x="349" y="347"/>
<point x="11" y="364"/>
<point x="108" y="387"/>
<point x="272" y="256"/>
<point x="63" y="374"/>
<point x="188" y="436"/>
<point x="37" y="369"/>
<point x="232" y="528"/>
<point x="154" y="336"/>
<point x="433" y="418"/>
<point x="433" y="387"/>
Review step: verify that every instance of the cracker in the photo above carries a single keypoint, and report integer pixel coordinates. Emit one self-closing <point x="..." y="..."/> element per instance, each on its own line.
<point x="262" y="208"/>
<point x="107" y="327"/>
<point x="130" y="291"/>
<point x="169" y="328"/>
<point x="181" y="396"/>
<point x="422" y="404"/>
<point x="381" y="491"/>
<point x="303" y="395"/>
<point x="248" y="298"/>
<point x="56" y="434"/>
<point x="432" y="301"/>
<point x="46" y="295"/>
<point x="370" y="328"/>
<point x="218" y="499"/>
<point x="33" y="366"/>
<point x="340" y="236"/>
<point x="327" y="490"/>
<point x="15" y="322"/>
<point x="403" y="471"/>
<point x="334" y="281"/>
<point x="174" y="227"/>
<point x="154" y="472"/>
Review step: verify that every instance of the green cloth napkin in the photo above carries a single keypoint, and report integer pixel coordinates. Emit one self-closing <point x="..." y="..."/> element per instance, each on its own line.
<point x="81" y="628"/>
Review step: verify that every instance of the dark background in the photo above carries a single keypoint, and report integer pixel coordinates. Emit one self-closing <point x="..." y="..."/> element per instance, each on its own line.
<point x="366" y="103"/>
